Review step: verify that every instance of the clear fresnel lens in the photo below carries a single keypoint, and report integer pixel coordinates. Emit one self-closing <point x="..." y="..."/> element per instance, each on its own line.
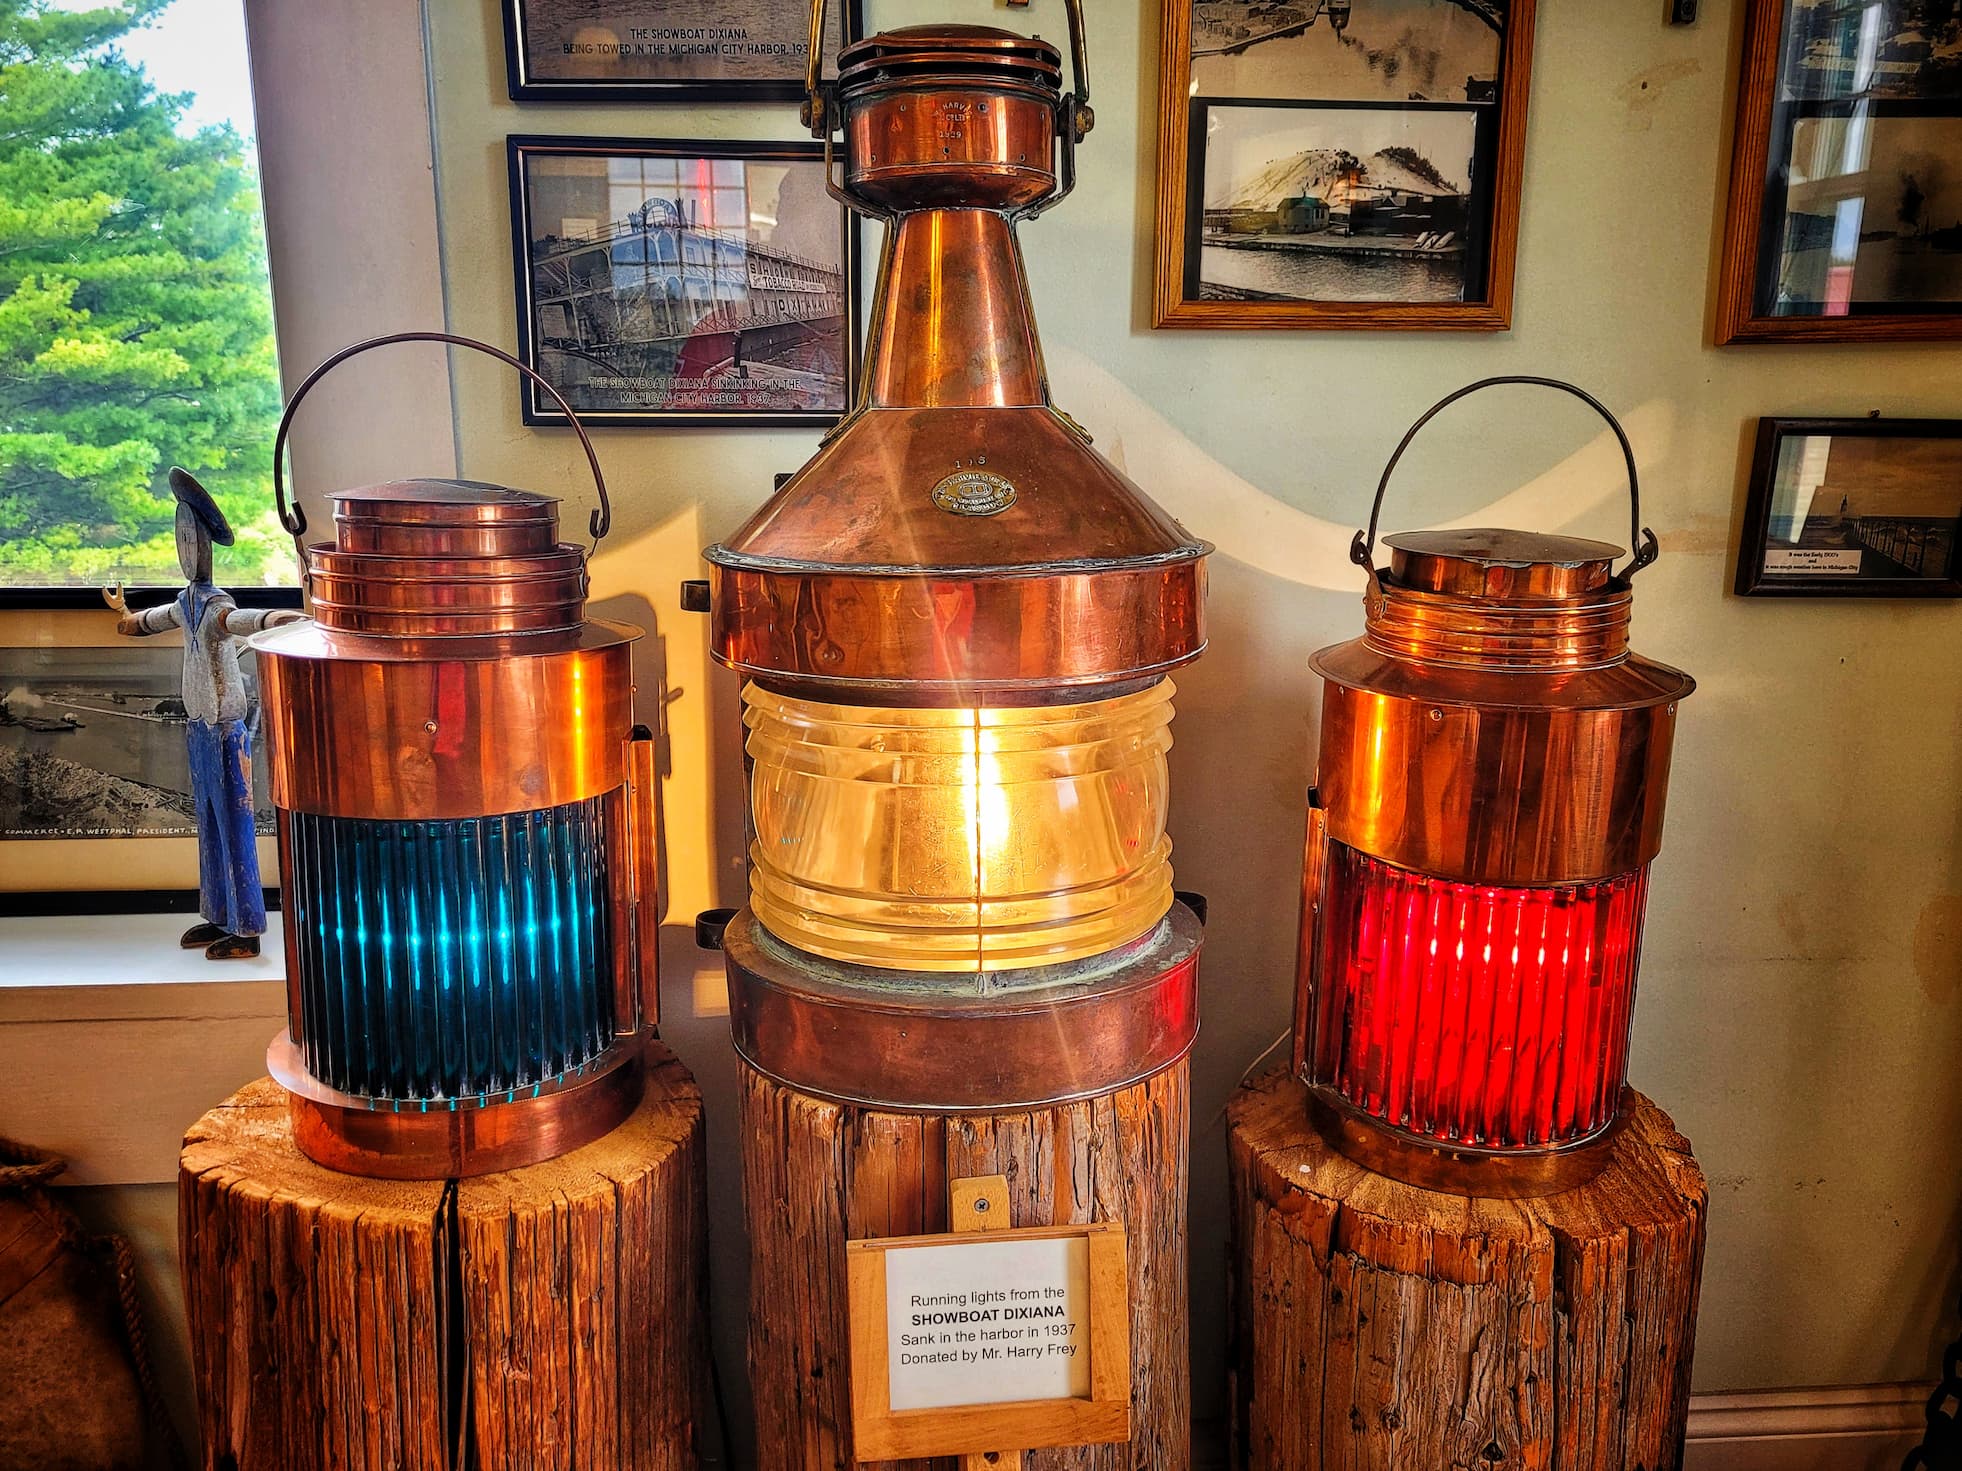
<point x="949" y="840"/>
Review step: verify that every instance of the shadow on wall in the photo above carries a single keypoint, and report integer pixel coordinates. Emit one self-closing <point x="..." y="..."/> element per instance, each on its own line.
<point x="694" y="999"/>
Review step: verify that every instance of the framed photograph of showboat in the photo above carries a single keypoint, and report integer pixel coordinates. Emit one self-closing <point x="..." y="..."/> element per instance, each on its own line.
<point x="676" y="282"/>
<point x="1340" y="163"/>
<point x="1854" y="508"/>
<point x="1844" y="220"/>
<point x="667" y="50"/>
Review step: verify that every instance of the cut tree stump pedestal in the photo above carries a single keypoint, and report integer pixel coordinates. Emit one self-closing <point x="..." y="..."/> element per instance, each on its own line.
<point x="818" y="1174"/>
<point x="1377" y="1325"/>
<point x="552" y="1316"/>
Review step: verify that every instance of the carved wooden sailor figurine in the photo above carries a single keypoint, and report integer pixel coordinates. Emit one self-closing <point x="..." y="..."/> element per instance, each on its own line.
<point x="230" y="897"/>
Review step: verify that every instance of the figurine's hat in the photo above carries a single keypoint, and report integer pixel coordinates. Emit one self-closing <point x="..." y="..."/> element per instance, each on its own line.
<point x="184" y="485"/>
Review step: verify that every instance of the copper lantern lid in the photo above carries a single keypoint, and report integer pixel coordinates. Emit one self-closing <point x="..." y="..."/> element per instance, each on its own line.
<point x="1492" y="724"/>
<point x="956" y="539"/>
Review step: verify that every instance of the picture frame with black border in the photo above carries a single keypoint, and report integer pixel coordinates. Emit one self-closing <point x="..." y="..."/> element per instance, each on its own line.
<point x="1354" y="269"/>
<point x="1426" y="56"/>
<point x="1868" y="508"/>
<point x="642" y="315"/>
<point x="533" y="28"/>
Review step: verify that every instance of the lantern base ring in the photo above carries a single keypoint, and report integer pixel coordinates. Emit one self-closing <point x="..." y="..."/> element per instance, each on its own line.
<point x="905" y="1041"/>
<point x="1432" y="1164"/>
<point x="437" y="1141"/>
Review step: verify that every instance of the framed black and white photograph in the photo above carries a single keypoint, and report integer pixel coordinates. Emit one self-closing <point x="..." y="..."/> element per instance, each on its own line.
<point x="1854" y="508"/>
<point x="1340" y="163"/>
<point x="92" y="745"/>
<point x="1845" y="212"/>
<point x="667" y="50"/>
<point x="1335" y="202"/>
<point x="683" y="282"/>
<point x="1372" y="51"/>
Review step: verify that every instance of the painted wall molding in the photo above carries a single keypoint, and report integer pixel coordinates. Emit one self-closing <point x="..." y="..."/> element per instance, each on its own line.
<point x="1860" y="1427"/>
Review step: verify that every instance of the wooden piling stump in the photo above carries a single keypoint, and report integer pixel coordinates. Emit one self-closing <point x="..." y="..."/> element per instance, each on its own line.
<point x="1377" y="1325"/>
<point x="546" y="1317"/>
<point x="818" y="1174"/>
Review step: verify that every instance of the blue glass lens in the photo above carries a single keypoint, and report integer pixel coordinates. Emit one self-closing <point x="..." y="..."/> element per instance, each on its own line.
<point x="451" y="959"/>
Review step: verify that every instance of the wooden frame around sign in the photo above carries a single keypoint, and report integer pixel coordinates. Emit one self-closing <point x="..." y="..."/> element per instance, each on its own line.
<point x="1171" y="307"/>
<point x="1737" y="315"/>
<point x="881" y="1433"/>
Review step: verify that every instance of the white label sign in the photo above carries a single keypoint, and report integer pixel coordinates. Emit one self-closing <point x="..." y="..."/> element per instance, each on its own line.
<point x="1812" y="559"/>
<point x="988" y="1322"/>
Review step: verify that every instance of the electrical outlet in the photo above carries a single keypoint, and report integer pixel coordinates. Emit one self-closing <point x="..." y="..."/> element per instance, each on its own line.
<point x="1682" y="12"/>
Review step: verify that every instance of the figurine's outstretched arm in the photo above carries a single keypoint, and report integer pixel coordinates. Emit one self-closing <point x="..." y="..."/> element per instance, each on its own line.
<point x="241" y="621"/>
<point x="149" y="621"/>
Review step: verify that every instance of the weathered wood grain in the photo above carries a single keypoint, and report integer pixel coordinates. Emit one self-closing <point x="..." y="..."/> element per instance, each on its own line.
<point x="1376" y="1325"/>
<point x="547" y="1317"/>
<point x="818" y="1174"/>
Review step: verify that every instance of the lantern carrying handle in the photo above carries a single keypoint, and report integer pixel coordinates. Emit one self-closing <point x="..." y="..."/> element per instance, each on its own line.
<point x="294" y="519"/>
<point x="1077" y="115"/>
<point x="1362" y="550"/>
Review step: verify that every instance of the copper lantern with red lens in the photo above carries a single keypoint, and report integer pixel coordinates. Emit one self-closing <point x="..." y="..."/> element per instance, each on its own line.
<point x="1489" y="795"/>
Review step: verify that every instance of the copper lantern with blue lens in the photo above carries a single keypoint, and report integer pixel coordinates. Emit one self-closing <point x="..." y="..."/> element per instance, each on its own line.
<point x="465" y="831"/>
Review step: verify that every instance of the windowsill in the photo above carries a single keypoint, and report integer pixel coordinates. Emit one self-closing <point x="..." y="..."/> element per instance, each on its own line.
<point x="63" y="952"/>
<point x="117" y="1039"/>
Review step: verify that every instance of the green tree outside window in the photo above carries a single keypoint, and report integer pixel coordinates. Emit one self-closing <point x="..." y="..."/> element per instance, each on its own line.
<point x="135" y="313"/>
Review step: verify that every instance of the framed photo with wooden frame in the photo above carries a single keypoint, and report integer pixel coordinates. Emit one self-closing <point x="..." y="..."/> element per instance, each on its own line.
<point x="1854" y="508"/>
<point x="930" y="1369"/>
<point x="1844" y="221"/>
<point x="1338" y="164"/>
<point x="665" y="51"/>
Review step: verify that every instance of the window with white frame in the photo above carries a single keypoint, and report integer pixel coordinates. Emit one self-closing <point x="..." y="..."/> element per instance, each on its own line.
<point x="136" y="328"/>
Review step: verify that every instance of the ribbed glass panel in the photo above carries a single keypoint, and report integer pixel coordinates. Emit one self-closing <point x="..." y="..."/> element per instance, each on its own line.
<point x="451" y="959"/>
<point x="1475" y="1014"/>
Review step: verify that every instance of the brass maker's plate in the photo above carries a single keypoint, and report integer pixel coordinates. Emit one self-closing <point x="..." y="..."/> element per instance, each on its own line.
<point x="974" y="493"/>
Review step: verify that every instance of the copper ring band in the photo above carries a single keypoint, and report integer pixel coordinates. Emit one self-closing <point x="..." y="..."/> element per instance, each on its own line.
<point x="1447" y="785"/>
<point x="394" y="539"/>
<point x="471" y="623"/>
<point x="909" y="1046"/>
<point x="1588" y="632"/>
<point x="398" y="596"/>
<point x="396" y="505"/>
<point x="351" y="733"/>
<point x="1431" y="1164"/>
<point x="410" y="567"/>
<point x="353" y="1135"/>
<point x="978" y="630"/>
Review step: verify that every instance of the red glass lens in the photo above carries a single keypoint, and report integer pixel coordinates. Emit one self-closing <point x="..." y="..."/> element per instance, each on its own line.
<point x="1493" y="1017"/>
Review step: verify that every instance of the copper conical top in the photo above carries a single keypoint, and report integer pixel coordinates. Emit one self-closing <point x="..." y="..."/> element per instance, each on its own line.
<point x="956" y="540"/>
<point x="959" y="556"/>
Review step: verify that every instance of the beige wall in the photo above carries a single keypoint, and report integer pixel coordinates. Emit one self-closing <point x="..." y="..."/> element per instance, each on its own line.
<point x="1801" y="1006"/>
<point x="1800" y="1012"/>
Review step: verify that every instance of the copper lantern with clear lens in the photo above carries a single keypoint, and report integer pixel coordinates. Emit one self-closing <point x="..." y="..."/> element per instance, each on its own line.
<point x="955" y="626"/>
<point x="1490" y="787"/>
